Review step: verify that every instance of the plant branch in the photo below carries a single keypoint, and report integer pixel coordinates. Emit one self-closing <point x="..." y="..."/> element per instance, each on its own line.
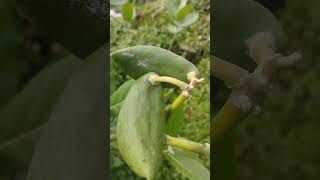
<point x="225" y="120"/>
<point x="188" y="145"/>
<point x="181" y="143"/>
<point x="177" y="102"/>
<point x="155" y="79"/>
<point x="231" y="74"/>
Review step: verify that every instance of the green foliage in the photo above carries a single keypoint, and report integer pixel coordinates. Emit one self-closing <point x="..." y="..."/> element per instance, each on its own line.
<point x="188" y="165"/>
<point x="141" y="128"/>
<point x="128" y="11"/>
<point x="181" y="13"/>
<point x="139" y="60"/>
<point x="74" y="136"/>
<point x="193" y="44"/>
<point x="32" y="106"/>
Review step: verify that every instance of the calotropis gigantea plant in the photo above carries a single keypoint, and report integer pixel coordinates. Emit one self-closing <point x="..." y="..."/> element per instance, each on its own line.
<point x="142" y="114"/>
<point x="244" y="31"/>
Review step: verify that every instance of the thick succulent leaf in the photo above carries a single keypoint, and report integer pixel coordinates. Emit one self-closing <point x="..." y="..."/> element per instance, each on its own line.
<point x="120" y="94"/>
<point x="73" y="145"/>
<point x="23" y="118"/>
<point x="188" y="166"/>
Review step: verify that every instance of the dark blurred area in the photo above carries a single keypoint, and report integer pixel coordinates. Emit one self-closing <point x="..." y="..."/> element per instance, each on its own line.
<point x="23" y="50"/>
<point x="282" y="142"/>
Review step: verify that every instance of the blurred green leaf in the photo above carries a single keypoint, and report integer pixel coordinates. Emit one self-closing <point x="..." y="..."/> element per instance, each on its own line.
<point x="22" y="120"/>
<point x="190" y="19"/>
<point x="113" y="77"/>
<point x="182" y="13"/>
<point x="73" y="146"/>
<point x="128" y="11"/>
<point x="173" y="29"/>
<point x="115" y="109"/>
<point x="188" y="166"/>
<point x="118" y="2"/>
<point x="182" y="4"/>
<point x="120" y="94"/>
<point x="171" y="6"/>
<point x="176" y="121"/>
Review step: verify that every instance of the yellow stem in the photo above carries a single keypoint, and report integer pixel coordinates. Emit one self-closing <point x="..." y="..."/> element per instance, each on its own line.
<point x="177" y="102"/>
<point x="157" y="79"/>
<point x="181" y="143"/>
<point x="188" y="145"/>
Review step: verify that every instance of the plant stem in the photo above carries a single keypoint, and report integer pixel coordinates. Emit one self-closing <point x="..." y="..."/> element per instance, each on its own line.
<point x="188" y="145"/>
<point x="181" y="143"/>
<point x="178" y="101"/>
<point x="225" y="120"/>
<point x="231" y="74"/>
<point x="155" y="79"/>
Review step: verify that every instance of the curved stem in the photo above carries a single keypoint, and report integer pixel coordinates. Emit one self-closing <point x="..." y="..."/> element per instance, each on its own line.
<point x="181" y="143"/>
<point x="225" y="120"/>
<point x="228" y="72"/>
<point x="177" y="102"/>
<point x="188" y="145"/>
<point x="155" y="79"/>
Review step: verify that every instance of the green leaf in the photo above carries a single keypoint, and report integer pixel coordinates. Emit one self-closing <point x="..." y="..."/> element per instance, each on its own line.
<point x="120" y="94"/>
<point x="115" y="109"/>
<point x="182" y="13"/>
<point x="171" y="6"/>
<point x="187" y="165"/>
<point x="182" y="4"/>
<point x="189" y="19"/>
<point x="128" y="11"/>
<point x="113" y="77"/>
<point x="118" y="2"/>
<point x="173" y="29"/>
<point x="22" y="120"/>
<point x="176" y="121"/>
<point x="73" y="145"/>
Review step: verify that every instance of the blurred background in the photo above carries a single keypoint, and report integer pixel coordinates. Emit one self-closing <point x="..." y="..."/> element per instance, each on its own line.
<point x="282" y="142"/>
<point x="23" y="50"/>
